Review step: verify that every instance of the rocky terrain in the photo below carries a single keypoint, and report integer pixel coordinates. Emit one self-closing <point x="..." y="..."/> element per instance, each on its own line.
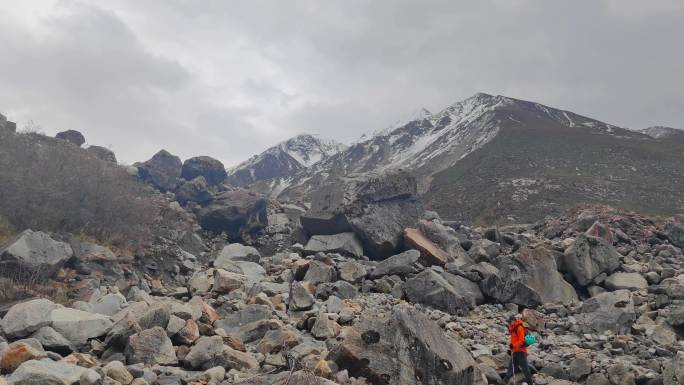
<point x="162" y="273"/>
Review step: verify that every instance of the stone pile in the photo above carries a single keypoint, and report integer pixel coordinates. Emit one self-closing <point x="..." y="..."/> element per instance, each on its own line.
<point x="604" y="294"/>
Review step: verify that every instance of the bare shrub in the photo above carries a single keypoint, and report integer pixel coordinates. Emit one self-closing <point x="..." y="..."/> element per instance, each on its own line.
<point x="17" y="284"/>
<point x="51" y="185"/>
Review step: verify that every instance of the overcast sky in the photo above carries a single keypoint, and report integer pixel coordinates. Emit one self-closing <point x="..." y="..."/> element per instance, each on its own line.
<point x="231" y="78"/>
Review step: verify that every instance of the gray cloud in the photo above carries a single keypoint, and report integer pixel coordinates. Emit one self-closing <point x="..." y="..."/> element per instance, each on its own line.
<point x="228" y="79"/>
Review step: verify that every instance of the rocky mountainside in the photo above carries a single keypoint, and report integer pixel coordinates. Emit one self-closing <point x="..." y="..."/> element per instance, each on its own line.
<point x="284" y="160"/>
<point x="525" y="159"/>
<point x="661" y="132"/>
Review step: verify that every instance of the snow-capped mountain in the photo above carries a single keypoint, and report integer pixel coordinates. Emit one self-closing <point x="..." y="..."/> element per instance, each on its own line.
<point x="428" y="143"/>
<point x="662" y="132"/>
<point x="491" y="158"/>
<point x="284" y="159"/>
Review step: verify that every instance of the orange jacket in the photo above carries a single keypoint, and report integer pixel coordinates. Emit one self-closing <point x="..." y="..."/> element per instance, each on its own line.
<point x="517" y="331"/>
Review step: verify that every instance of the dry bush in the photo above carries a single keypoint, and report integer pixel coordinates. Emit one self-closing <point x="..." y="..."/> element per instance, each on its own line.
<point x="17" y="285"/>
<point x="49" y="184"/>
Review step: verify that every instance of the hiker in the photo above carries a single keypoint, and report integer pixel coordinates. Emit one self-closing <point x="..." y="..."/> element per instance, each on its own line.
<point x="518" y="350"/>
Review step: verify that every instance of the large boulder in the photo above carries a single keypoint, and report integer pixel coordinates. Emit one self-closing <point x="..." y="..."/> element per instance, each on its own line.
<point x="27" y="317"/>
<point x="196" y="190"/>
<point x="431" y="253"/>
<point x="612" y="311"/>
<point x="673" y="371"/>
<point x="71" y="136"/>
<point x="53" y="341"/>
<point x="400" y="264"/>
<point x="630" y="281"/>
<point x="674" y="231"/>
<point x="528" y="278"/>
<point x="588" y="257"/>
<point x="34" y="254"/>
<point x="234" y="212"/>
<point x="447" y="240"/>
<point x="237" y="252"/>
<point x="79" y="326"/>
<point x="345" y="244"/>
<point x="102" y="153"/>
<point x="377" y="207"/>
<point x="444" y="291"/>
<point x="151" y="346"/>
<point x="46" y="372"/>
<point x="19" y="352"/>
<point x="211" y="169"/>
<point x="163" y="170"/>
<point x="91" y="257"/>
<point x="404" y="348"/>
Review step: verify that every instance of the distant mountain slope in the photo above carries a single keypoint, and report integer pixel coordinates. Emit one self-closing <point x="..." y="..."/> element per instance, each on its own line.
<point x="284" y="160"/>
<point x="538" y="167"/>
<point x="661" y="132"/>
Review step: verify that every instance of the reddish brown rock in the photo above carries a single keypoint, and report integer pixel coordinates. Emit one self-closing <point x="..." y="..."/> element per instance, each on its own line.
<point x="599" y="230"/>
<point x="189" y="333"/>
<point x="16" y="354"/>
<point x="431" y="254"/>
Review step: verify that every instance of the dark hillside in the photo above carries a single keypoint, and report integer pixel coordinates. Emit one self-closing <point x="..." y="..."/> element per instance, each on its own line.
<point x="53" y="185"/>
<point x="536" y="167"/>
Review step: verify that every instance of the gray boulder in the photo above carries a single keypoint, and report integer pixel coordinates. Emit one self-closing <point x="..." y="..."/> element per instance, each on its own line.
<point x="447" y="239"/>
<point x="673" y="371"/>
<point x="352" y="271"/>
<point x="443" y="291"/>
<point x="238" y="252"/>
<point x="590" y="256"/>
<point x="528" y="278"/>
<point x="300" y="298"/>
<point x="196" y="190"/>
<point x="79" y="326"/>
<point x="674" y="231"/>
<point x="34" y="254"/>
<point x="151" y="346"/>
<point x="27" y="317"/>
<point x="376" y="207"/>
<point x="205" y="349"/>
<point x="346" y="244"/>
<point x="319" y="272"/>
<point x="612" y="311"/>
<point x="211" y="169"/>
<point x="253" y="272"/>
<point x="71" y="136"/>
<point x="404" y="348"/>
<point x="251" y="313"/>
<point x="102" y="153"/>
<point x="53" y="341"/>
<point x="46" y="372"/>
<point x="163" y="170"/>
<point x="108" y="304"/>
<point x="400" y="264"/>
<point x="630" y="281"/>
<point x="92" y="257"/>
<point x="234" y="212"/>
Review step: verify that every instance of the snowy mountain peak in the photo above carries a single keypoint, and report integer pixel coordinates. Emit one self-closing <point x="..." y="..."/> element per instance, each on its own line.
<point x="308" y="149"/>
<point x="663" y="132"/>
<point x="284" y="159"/>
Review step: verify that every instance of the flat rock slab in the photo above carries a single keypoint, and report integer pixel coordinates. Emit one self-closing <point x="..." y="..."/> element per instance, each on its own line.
<point x="46" y="372"/>
<point x="346" y="244"/>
